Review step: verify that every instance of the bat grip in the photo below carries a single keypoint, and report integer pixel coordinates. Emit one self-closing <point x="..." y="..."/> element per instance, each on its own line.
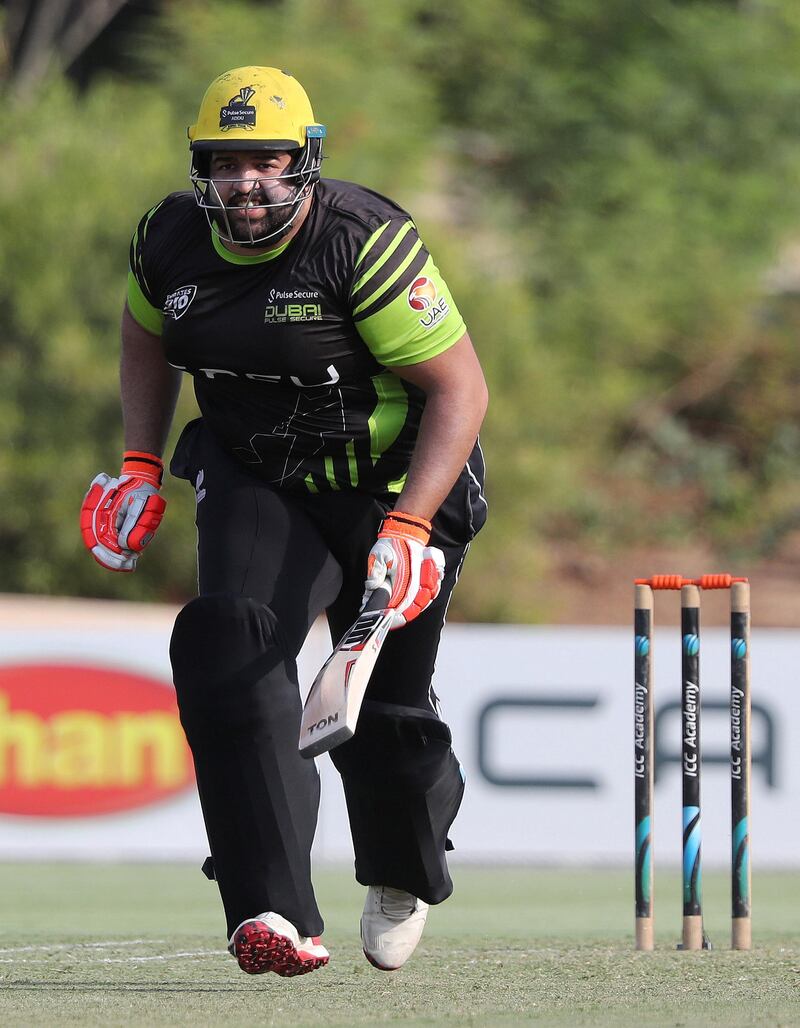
<point x="379" y="599"/>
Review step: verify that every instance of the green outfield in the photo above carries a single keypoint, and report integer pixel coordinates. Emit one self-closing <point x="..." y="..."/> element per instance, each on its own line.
<point x="121" y="945"/>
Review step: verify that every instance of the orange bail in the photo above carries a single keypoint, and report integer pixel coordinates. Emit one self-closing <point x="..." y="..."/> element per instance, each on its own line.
<point x="714" y="581"/>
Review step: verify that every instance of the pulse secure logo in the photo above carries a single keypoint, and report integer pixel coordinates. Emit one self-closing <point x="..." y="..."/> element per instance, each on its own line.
<point x="239" y="113"/>
<point x="278" y="311"/>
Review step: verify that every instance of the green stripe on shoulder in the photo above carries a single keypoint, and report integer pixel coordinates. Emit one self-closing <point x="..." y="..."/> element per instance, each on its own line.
<point x="399" y="235"/>
<point x="148" y="216"/>
<point x="370" y="243"/>
<point x="385" y="286"/>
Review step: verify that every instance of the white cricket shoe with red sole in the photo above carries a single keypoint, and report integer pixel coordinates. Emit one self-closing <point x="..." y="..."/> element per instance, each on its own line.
<point x="391" y="926"/>
<point x="270" y="943"/>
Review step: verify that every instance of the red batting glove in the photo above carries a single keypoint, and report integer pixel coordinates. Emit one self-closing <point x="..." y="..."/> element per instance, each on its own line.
<point x="119" y="516"/>
<point x="402" y="558"/>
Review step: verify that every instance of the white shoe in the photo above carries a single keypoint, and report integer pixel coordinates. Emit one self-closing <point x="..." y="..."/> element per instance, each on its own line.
<point x="271" y="943"/>
<point x="391" y="926"/>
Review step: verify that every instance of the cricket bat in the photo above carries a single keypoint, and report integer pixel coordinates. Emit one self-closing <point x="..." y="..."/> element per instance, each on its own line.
<point x="334" y="700"/>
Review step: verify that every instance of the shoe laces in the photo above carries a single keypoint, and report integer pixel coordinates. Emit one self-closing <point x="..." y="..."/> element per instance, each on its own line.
<point x="397" y="903"/>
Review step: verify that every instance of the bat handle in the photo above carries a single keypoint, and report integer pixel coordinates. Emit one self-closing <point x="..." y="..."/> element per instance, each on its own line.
<point x="379" y="598"/>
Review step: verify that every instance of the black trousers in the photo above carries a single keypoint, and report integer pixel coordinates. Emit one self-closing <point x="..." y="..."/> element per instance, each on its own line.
<point x="269" y="563"/>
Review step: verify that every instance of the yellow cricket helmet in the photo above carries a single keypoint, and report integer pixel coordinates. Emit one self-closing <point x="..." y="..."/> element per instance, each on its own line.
<point x="255" y="108"/>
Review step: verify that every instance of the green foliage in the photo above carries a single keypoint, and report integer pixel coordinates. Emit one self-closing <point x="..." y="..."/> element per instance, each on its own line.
<point x="605" y="184"/>
<point x="75" y="177"/>
<point x="651" y="151"/>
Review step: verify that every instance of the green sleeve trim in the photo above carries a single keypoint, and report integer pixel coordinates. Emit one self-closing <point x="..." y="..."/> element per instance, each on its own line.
<point x="144" y="313"/>
<point x="397" y="334"/>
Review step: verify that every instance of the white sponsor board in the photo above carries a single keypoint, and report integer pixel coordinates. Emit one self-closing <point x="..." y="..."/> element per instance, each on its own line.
<point x="542" y="720"/>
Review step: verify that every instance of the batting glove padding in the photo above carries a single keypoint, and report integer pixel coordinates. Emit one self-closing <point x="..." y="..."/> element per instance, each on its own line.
<point x="402" y="557"/>
<point x="119" y="516"/>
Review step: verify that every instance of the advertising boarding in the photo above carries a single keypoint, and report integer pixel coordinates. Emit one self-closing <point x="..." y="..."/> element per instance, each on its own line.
<point x="94" y="765"/>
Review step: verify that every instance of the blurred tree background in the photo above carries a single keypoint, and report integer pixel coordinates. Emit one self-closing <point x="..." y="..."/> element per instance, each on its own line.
<point x="612" y="188"/>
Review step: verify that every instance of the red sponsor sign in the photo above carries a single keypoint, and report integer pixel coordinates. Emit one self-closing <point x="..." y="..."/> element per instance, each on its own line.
<point x="77" y="741"/>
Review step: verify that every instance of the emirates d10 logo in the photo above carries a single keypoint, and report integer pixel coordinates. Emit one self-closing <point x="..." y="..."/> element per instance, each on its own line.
<point x="421" y="294"/>
<point x="177" y="303"/>
<point x="78" y="741"/>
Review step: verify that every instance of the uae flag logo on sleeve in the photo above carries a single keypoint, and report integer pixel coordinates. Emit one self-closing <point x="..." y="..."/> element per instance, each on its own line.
<point x="422" y="298"/>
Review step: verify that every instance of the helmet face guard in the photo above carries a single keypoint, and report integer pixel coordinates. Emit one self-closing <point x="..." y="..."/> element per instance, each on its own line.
<point x="270" y="112"/>
<point x="280" y="196"/>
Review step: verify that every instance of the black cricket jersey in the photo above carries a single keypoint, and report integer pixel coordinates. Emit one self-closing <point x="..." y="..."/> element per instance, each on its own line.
<point x="290" y="350"/>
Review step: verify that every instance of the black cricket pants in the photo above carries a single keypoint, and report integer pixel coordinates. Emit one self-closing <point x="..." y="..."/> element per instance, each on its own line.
<point x="269" y="563"/>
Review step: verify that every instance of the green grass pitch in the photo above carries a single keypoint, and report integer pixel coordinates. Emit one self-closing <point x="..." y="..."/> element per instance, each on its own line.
<point x="142" y="945"/>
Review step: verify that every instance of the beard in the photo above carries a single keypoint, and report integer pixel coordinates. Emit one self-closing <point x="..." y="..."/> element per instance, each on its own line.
<point x="250" y="222"/>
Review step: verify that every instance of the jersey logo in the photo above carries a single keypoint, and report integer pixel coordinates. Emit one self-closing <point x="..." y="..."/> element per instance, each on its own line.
<point x="278" y="313"/>
<point x="239" y="113"/>
<point x="177" y="303"/>
<point x="422" y="298"/>
<point x="292" y="294"/>
<point x="421" y="294"/>
<point x="281" y="313"/>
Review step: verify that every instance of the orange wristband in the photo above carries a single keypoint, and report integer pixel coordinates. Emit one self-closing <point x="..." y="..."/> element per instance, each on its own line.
<point x="143" y="465"/>
<point x="406" y="526"/>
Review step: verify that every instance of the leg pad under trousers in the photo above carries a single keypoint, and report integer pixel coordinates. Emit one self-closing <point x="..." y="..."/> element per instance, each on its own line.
<point x="403" y="786"/>
<point x="240" y="708"/>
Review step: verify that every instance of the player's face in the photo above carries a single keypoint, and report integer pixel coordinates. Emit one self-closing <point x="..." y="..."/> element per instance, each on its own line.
<point x="247" y="182"/>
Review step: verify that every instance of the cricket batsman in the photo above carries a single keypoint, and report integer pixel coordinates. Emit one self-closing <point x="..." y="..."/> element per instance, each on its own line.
<point x="340" y="401"/>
